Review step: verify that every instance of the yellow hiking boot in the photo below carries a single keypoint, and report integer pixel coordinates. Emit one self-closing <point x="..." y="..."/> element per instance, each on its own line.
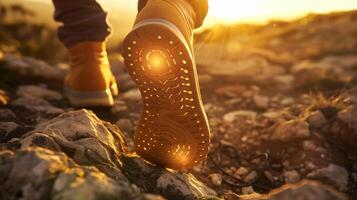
<point x="173" y="130"/>
<point x="90" y="81"/>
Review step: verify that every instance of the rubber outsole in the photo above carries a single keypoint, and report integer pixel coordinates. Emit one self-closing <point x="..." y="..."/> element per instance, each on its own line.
<point x="173" y="129"/>
<point x="92" y="98"/>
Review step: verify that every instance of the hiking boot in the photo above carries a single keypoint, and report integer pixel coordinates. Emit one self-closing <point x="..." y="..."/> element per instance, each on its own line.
<point x="173" y="130"/>
<point x="90" y="81"/>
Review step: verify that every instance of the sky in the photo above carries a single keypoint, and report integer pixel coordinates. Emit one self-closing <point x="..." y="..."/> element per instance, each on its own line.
<point x="255" y="11"/>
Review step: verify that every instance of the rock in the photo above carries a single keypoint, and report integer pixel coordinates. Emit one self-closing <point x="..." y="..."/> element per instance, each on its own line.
<point x="248" y="190"/>
<point x="27" y="66"/>
<point x="185" y="186"/>
<point x="132" y="95"/>
<point x="125" y="125"/>
<point x="289" y="131"/>
<point x="304" y="190"/>
<point x="333" y="174"/>
<point x="7" y="127"/>
<point x="37" y="173"/>
<point x="241" y="171"/>
<point x="170" y="184"/>
<point x="205" y="78"/>
<point x="125" y="81"/>
<point x="310" y="166"/>
<point x="343" y="131"/>
<point x="216" y="179"/>
<point x="349" y="117"/>
<point x="272" y="114"/>
<point x="261" y="101"/>
<point x="37" y="105"/>
<point x="231" y="90"/>
<point x="291" y="176"/>
<point x="284" y="81"/>
<point x="230" y="117"/>
<point x="316" y="119"/>
<point x="251" y="177"/>
<point x="150" y="197"/>
<point x="7" y="114"/>
<point x="269" y="176"/>
<point x="287" y="101"/>
<point x="38" y="92"/>
<point x="82" y="136"/>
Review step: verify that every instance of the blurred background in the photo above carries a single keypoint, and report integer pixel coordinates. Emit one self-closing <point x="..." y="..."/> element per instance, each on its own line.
<point x="278" y="81"/>
<point x="221" y="13"/>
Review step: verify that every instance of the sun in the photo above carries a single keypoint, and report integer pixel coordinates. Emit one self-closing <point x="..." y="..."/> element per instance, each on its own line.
<point x="233" y="10"/>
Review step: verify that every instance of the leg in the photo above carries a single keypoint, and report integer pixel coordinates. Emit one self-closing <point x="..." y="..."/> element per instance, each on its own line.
<point x="82" y="20"/>
<point x="84" y="29"/>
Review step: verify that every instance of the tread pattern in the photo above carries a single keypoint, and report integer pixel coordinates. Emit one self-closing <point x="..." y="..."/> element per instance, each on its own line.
<point x="173" y="129"/>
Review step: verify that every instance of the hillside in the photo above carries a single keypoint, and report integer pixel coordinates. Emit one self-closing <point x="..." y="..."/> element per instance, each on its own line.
<point x="281" y="101"/>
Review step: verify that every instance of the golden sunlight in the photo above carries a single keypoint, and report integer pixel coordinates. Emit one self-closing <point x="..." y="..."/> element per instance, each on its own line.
<point x="232" y="10"/>
<point x="261" y="11"/>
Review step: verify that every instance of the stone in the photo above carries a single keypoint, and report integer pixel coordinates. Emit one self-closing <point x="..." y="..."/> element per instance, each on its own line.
<point x="285" y="80"/>
<point x="269" y="176"/>
<point x="344" y="130"/>
<point x="125" y="125"/>
<point x="231" y="90"/>
<point x="306" y="190"/>
<point x="38" y="92"/>
<point x="251" y="177"/>
<point x="28" y="66"/>
<point x="7" y="114"/>
<point x="38" y="173"/>
<point x="248" y="190"/>
<point x="83" y="137"/>
<point x="230" y="117"/>
<point x="349" y="116"/>
<point x="132" y="95"/>
<point x="333" y="174"/>
<point x="316" y="119"/>
<point x="216" y="179"/>
<point x="170" y="184"/>
<point x="291" y="176"/>
<point x="272" y="114"/>
<point x="241" y="171"/>
<point x="37" y="105"/>
<point x="287" y="101"/>
<point x="7" y="127"/>
<point x="261" y="101"/>
<point x="205" y="78"/>
<point x="289" y="131"/>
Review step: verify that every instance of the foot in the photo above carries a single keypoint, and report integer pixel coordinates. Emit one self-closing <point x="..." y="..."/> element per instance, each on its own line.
<point x="173" y="130"/>
<point x="90" y="81"/>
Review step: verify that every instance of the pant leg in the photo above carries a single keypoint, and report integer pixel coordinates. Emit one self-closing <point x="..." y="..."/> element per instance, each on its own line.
<point x="82" y="20"/>
<point x="199" y="6"/>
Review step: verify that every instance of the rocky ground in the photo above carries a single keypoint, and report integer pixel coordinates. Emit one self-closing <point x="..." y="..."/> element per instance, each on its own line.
<point x="282" y="105"/>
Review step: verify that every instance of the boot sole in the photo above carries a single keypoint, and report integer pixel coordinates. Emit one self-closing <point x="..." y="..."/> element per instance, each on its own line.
<point x="92" y="98"/>
<point x="173" y="129"/>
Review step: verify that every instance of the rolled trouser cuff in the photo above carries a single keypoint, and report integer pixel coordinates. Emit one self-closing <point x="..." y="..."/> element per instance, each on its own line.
<point x="82" y="20"/>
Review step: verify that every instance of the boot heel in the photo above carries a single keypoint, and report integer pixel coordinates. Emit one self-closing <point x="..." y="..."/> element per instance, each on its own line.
<point x="93" y="98"/>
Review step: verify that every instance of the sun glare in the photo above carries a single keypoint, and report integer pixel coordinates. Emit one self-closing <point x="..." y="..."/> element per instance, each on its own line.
<point x="232" y="10"/>
<point x="258" y="11"/>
